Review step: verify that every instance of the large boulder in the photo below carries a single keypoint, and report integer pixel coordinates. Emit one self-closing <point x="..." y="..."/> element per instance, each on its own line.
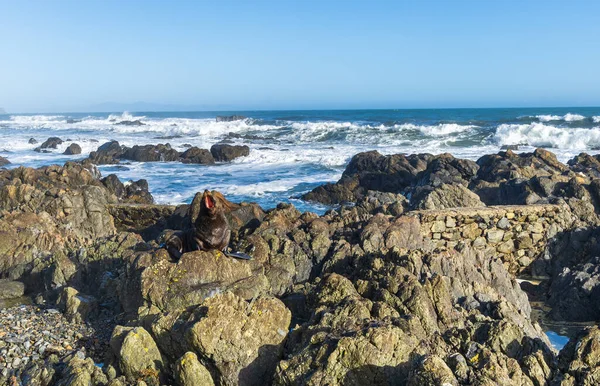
<point x="50" y="143"/>
<point x="136" y="356"/>
<point x="226" y="153"/>
<point x="73" y="149"/>
<point x="153" y="280"/>
<point x="371" y="171"/>
<point x="108" y="153"/>
<point x="244" y="341"/>
<point x="580" y="360"/>
<point x="195" y="155"/>
<point x="151" y="153"/>
<point x="510" y="165"/>
<point x="76" y="306"/>
<point x="190" y="372"/>
<point x="586" y="164"/>
<point x="4" y="161"/>
<point x="445" y="196"/>
<point x="11" y="289"/>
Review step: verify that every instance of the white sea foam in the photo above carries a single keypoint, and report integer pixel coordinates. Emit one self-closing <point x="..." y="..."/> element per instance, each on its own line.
<point x="596" y="119"/>
<point x="569" y="117"/>
<point x="444" y="129"/>
<point x="539" y="134"/>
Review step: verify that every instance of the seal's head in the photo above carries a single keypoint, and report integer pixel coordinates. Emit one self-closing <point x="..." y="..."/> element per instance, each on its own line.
<point x="213" y="203"/>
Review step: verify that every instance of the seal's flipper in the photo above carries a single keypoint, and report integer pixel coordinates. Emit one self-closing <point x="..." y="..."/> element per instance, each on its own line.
<point x="238" y="255"/>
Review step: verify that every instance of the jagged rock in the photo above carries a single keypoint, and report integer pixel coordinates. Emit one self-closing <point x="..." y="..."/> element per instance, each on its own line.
<point x="151" y="153"/>
<point x="509" y="165"/>
<point x="4" y="161"/>
<point x="136" y="354"/>
<point x="197" y="275"/>
<point x="73" y="149"/>
<point x="133" y="191"/>
<point x="76" y="306"/>
<point x="11" y="289"/>
<point x="114" y="185"/>
<point x="32" y="141"/>
<point x="190" y="372"/>
<point x="243" y="340"/>
<point x="580" y="359"/>
<point x="585" y="164"/>
<point x="575" y="291"/>
<point x="444" y="169"/>
<point x="50" y="143"/>
<point x="432" y="371"/>
<point x="445" y="196"/>
<point x="371" y="171"/>
<point x="227" y="153"/>
<point x="196" y="155"/>
<point x="108" y="153"/>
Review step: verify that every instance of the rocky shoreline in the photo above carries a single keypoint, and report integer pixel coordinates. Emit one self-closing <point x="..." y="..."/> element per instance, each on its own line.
<point x="412" y="279"/>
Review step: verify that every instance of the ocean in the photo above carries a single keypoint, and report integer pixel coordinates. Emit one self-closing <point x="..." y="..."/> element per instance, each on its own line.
<point x="293" y="151"/>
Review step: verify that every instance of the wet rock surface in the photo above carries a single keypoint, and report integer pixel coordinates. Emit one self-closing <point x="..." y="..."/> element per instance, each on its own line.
<point x="227" y="153"/>
<point x="413" y="283"/>
<point x="112" y="153"/>
<point x="73" y="149"/>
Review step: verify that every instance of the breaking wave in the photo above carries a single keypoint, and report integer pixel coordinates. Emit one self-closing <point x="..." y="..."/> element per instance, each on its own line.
<point x="567" y="117"/>
<point x="543" y="135"/>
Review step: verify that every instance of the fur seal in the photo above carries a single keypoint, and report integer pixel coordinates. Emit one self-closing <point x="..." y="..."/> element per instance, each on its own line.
<point x="209" y="231"/>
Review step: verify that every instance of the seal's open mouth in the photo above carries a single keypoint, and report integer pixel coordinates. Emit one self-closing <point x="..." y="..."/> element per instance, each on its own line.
<point x="209" y="202"/>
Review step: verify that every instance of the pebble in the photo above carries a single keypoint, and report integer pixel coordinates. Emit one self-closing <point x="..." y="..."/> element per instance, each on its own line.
<point x="30" y="333"/>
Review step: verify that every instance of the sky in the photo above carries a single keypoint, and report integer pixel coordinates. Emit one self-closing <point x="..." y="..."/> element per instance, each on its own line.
<point x="268" y="55"/>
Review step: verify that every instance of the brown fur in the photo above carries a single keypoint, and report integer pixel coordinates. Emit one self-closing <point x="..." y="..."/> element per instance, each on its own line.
<point x="209" y="231"/>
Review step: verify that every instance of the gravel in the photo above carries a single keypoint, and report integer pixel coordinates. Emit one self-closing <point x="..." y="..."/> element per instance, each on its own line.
<point x="31" y="333"/>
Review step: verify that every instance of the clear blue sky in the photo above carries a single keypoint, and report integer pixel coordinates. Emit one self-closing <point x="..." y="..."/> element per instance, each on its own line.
<point x="69" y="55"/>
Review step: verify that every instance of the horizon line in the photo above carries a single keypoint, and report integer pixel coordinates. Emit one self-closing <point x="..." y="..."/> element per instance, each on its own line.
<point x="4" y="112"/>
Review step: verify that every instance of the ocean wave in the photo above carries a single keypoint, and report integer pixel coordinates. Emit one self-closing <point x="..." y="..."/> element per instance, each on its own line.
<point x="444" y="129"/>
<point x="569" y="117"/>
<point x="543" y="135"/>
<point x="165" y="126"/>
<point x="596" y="119"/>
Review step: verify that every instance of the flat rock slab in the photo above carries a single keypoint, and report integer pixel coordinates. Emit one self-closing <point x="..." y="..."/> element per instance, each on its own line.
<point x="11" y="289"/>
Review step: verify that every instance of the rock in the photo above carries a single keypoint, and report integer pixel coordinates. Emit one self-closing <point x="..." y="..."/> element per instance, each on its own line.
<point x="196" y="276"/>
<point x="586" y="164"/>
<point x="76" y="306"/>
<point x="195" y="155"/>
<point x="136" y="122"/>
<point x="432" y="371"/>
<point x="243" y="340"/>
<point x="509" y="165"/>
<point x="137" y="192"/>
<point x="51" y="143"/>
<point x="444" y="169"/>
<point x="11" y="289"/>
<point x="136" y="353"/>
<point x="32" y="141"/>
<point x="4" y="161"/>
<point x="151" y="153"/>
<point x="579" y="359"/>
<point x="108" y="153"/>
<point x="229" y="118"/>
<point x="73" y="149"/>
<point x="190" y="372"/>
<point x="445" y="196"/>
<point x="371" y="171"/>
<point x="114" y="185"/>
<point x="227" y="153"/>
